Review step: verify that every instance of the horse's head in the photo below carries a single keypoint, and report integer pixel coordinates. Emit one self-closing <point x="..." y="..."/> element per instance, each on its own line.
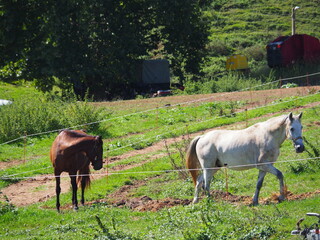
<point x="97" y="152"/>
<point x="294" y="131"/>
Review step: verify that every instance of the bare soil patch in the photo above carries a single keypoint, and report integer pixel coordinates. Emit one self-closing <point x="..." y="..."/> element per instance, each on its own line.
<point x="123" y="198"/>
<point x="36" y="189"/>
<point x="7" y="164"/>
<point x="253" y="98"/>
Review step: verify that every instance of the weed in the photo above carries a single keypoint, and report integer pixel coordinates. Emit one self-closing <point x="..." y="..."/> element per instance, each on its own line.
<point x="179" y="164"/>
<point x="106" y="234"/>
<point x="260" y="232"/>
<point x="6" y="207"/>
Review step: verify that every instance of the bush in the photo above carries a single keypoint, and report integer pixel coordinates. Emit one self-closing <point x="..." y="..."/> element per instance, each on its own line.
<point x="6" y="207"/>
<point x="235" y="82"/>
<point x="35" y="115"/>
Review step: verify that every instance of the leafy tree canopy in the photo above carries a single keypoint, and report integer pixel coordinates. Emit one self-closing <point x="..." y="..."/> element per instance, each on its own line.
<point x="96" y="44"/>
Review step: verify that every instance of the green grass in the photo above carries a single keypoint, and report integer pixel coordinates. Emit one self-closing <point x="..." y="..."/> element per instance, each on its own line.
<point x="246" y="27"/>
<point x="206" y="220"/>
<point x="237" y="27"/>
<point x="218" y="220"/>
<point x="18" y="91"/>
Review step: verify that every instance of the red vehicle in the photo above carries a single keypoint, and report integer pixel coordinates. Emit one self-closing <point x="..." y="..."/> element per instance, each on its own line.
<point x="286" y="50"/>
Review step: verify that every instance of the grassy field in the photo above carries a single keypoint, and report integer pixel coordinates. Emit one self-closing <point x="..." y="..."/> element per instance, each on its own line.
<point x="148" y="194"/>
<point x="154" y="175"/>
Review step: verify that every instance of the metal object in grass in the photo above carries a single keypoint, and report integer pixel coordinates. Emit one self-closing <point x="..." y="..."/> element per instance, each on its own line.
<point x="309" y="233"/>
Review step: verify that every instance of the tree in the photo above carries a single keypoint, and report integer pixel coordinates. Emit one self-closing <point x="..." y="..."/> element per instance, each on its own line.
<point x="186" y="33"/>
<point x="95" y="45"/>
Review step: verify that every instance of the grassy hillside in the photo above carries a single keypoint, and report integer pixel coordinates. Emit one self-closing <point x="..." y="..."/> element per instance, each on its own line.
<point x="247" y="26"/>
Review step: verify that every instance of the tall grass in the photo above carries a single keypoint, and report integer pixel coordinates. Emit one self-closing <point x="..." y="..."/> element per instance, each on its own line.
<point x="228" y="82"/>
<point x="35" y="115"/>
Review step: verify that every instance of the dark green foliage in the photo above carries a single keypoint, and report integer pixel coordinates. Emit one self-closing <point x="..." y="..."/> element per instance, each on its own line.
<point x="6" y="207"/>
<point x="96" y="45"/>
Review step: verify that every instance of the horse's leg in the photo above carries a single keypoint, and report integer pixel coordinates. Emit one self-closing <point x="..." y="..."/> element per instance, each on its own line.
<point x="83" y="186"/>
<point x="207" y="175"/>
<point x="74" y="190"/>
<point x="271" y="169"/>
<point x="84" y="175"/>
<point x="198" y="188"/>
<point x="58" y="190"/>
<point x="261" y="176"/>
<point x="208" y="170"/>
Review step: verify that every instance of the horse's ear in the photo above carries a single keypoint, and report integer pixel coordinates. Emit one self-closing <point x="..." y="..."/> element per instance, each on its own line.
<point x="300" y="115"/>
<point x="99" y="138"/>
<point x="290" y="117"/>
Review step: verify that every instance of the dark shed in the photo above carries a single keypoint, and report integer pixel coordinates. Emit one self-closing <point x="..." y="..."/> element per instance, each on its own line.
<point x="153" y="75"/>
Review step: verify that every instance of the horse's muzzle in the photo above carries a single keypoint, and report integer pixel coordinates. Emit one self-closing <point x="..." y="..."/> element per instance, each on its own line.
<point x="97" y="165"/>
<point x="299" y="146"/>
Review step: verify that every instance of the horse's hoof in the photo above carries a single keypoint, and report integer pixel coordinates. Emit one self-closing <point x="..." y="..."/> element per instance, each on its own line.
<point x="281" y="198"/>
<point x="75" y="208"/>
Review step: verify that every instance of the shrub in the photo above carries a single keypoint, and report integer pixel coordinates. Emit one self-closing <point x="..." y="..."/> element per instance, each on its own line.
<point x="6" y="207"/>
<point x="35" y="115"/>
<point x="235" y="82"/>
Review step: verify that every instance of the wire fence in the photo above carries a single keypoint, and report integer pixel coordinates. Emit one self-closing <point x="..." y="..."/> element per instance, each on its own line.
<point x="282" y="82"/>
<point x="13" y="176"/>
<point x="176" y="129"/>
<point x="109" y="173"/>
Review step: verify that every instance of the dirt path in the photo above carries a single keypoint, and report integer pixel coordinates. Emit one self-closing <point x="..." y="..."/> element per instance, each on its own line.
<point x="39" y="189"/>
<point x="123" y="198"/>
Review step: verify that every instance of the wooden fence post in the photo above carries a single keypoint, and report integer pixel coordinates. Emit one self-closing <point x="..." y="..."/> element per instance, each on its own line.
<point x="107" y="162"/>
<point x="226" y="175"/>
<point x="25" y="147"/>
<point x="157" y="117"/>
<point x="246" y="110"/>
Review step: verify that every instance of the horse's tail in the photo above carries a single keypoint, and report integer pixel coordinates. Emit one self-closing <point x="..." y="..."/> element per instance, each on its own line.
<point x="192" y="161"/>
<point x="83" y="178"/>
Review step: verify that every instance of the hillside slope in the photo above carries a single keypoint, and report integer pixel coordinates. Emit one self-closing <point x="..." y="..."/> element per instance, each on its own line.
<point x="247" y="26"/>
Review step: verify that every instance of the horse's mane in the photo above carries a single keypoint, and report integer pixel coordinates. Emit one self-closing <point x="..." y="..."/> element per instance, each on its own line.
<point x="279" y="119"/>
<point x="75" y="133"/>
<point x="272" y="123"/>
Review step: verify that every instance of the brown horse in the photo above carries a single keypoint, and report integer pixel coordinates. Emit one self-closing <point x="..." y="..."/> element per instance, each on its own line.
<point x="72" y="152"/>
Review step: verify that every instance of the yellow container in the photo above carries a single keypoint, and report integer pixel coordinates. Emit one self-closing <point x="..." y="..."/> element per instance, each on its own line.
<point x="237" y="62"/>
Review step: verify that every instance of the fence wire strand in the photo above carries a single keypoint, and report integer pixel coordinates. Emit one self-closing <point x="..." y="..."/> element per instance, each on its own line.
<point x="154" y="109"/>
<point x="11" y="177"/>
<point x="157" y="136"/>
<point x="109" y="173"/>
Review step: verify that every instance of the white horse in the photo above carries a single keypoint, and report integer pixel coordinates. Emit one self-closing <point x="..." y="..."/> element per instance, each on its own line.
<point x="254" y="147"/>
